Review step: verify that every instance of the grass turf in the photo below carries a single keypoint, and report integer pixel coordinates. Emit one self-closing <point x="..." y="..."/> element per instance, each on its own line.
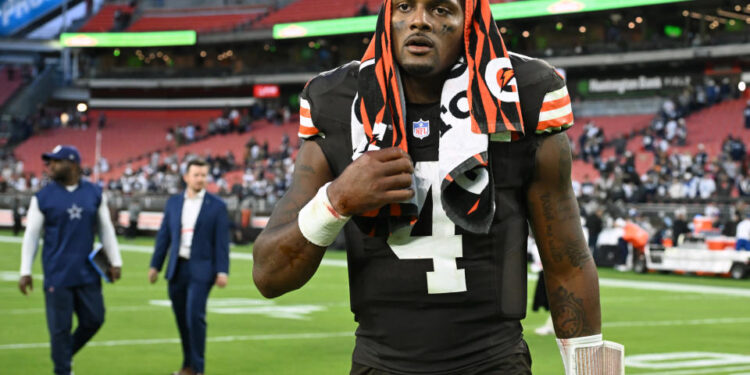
<point x="140" y="337"/>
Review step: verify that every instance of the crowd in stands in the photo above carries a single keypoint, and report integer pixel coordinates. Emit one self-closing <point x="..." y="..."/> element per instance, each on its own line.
<point x="232" y="120"/>
<point x="13" y="178"/>
<point x="674" y="175"/>
<point x="265" y="174"/>
<point x="260" y="174"/>
<point x="163" y="174"/>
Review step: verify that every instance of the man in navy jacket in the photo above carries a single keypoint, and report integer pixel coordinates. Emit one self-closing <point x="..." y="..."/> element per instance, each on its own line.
<point x="195" y="233"/>
<point x="67" y="212"/>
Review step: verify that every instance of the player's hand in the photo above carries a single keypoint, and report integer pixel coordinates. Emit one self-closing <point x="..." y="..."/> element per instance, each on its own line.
<point x="221" y="280"/>
<point x="115" y="273"/>
<point x="25" y="282"/>
<point x="153" y="274"/>
<point x="373" y="180"/>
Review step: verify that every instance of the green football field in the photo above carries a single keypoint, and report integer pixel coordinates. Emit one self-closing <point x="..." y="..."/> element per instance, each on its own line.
<point x="669" y="324"/>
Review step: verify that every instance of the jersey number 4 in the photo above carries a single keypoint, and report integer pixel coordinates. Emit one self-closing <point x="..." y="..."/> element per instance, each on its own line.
<point x="443" y="246"/>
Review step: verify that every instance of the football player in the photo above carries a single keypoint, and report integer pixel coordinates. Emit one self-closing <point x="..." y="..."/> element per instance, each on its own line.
<point x="432" y="154"/>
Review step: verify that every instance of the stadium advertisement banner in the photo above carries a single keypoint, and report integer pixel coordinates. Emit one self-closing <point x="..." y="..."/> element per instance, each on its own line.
<point x="643" y="83"/>
<point x="502" y="11"/>
<point x="266" y="91"/>
<point x="15" y="14"/>
<point x="145" y="39"/>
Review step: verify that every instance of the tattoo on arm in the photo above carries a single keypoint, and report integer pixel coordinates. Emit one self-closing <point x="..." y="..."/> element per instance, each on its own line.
<point x="570" y="318"/>
<point x="560" y="209"/>
<point x="563" y="245"/>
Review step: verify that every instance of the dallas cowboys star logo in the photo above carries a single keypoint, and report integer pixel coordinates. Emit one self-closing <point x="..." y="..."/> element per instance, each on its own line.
<point x="75" y="212"/>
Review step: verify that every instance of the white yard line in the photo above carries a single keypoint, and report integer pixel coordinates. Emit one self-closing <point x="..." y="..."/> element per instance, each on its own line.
<point x="664" y="323"/>
<point x="287" y="336"/>
<point x="613" y="283"/>
<point x="675" y="287"/>
<point x="711" y="371"/>
<point x="150" y="249"/>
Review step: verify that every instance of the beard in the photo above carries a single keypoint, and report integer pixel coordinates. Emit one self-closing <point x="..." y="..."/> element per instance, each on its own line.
<point x="60" y="177"/>
<point x="418" y="70"/>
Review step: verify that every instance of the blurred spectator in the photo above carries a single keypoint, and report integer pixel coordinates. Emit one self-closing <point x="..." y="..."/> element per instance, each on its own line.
<point x="747" y="115"/>
<point x="706" y="186"/>
<point x="743" y="233"/>
<point x="594" y="224"/>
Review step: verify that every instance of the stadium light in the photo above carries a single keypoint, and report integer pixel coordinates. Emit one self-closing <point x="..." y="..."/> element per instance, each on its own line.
<point x="145" y="39"/>
<point x="82" y="107"/>
<point x="501" y="11"/>
<point x="672" y="31"/>
<point x="742" y="86"/>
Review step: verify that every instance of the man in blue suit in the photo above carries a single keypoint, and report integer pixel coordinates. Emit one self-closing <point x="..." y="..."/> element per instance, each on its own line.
<point x="195" y="232"/>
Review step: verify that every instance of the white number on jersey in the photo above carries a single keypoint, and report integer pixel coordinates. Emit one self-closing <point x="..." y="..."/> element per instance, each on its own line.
<point x="443" y="247"/>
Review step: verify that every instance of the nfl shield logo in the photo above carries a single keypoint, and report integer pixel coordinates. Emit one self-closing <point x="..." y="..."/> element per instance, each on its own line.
<point x="421" y="129"/>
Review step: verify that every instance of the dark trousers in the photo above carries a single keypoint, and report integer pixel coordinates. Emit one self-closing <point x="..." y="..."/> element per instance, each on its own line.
<point x="132" y="230"/>
<point x="514" y="364"/>
<point x="88" y="304"/>
<point x="189" y="298"/>
<point x="540" y="294"/>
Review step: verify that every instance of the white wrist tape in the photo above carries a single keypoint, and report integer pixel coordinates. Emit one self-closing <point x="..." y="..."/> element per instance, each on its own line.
<point x="591" y="355"/>
<point x="318" y="220"/>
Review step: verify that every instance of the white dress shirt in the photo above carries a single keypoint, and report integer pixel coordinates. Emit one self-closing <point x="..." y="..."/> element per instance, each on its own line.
<point x="190" y="210"/>
<point x="743" y="230"/>
<point x="35" y="222"/>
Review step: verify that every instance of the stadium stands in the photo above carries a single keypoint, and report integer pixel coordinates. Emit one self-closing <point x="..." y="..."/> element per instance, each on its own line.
<point x="104" y="20"/>
<point x="127" y="135"/>
<point x="613" y="126"/>
<point x="221" y="144"/>
<point x="197" y="23"/>
<point x="702" y="126"/>
<point x="307" y="10"/>
<point x="10" y="86"/>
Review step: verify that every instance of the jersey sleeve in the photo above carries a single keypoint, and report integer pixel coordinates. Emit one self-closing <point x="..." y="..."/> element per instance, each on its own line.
<point x="325" y="113"/>
<point x="545" y="102"/>
<point x="556" y="113"/>
<point x="326" y="100"/>
<point x="307" y="128"/>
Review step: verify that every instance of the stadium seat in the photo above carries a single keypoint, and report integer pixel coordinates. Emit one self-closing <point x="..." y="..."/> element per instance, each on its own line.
<point x="127" y="135"/>
<point x="104" y="20"/>
<point x="199" y="23"/>
<point x="307" y="10"/>
<point x="218" y="145"/>
<point x="9" y="86"/>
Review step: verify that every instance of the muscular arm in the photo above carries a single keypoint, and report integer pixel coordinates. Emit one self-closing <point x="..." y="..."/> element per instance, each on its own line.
<point x="283" y="260"/>
<point x="571" y="278"/>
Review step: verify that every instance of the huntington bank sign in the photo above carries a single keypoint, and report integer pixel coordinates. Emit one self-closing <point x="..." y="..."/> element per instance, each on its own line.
<point x="15" y="14"/>
<point x="641" y="83"/>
